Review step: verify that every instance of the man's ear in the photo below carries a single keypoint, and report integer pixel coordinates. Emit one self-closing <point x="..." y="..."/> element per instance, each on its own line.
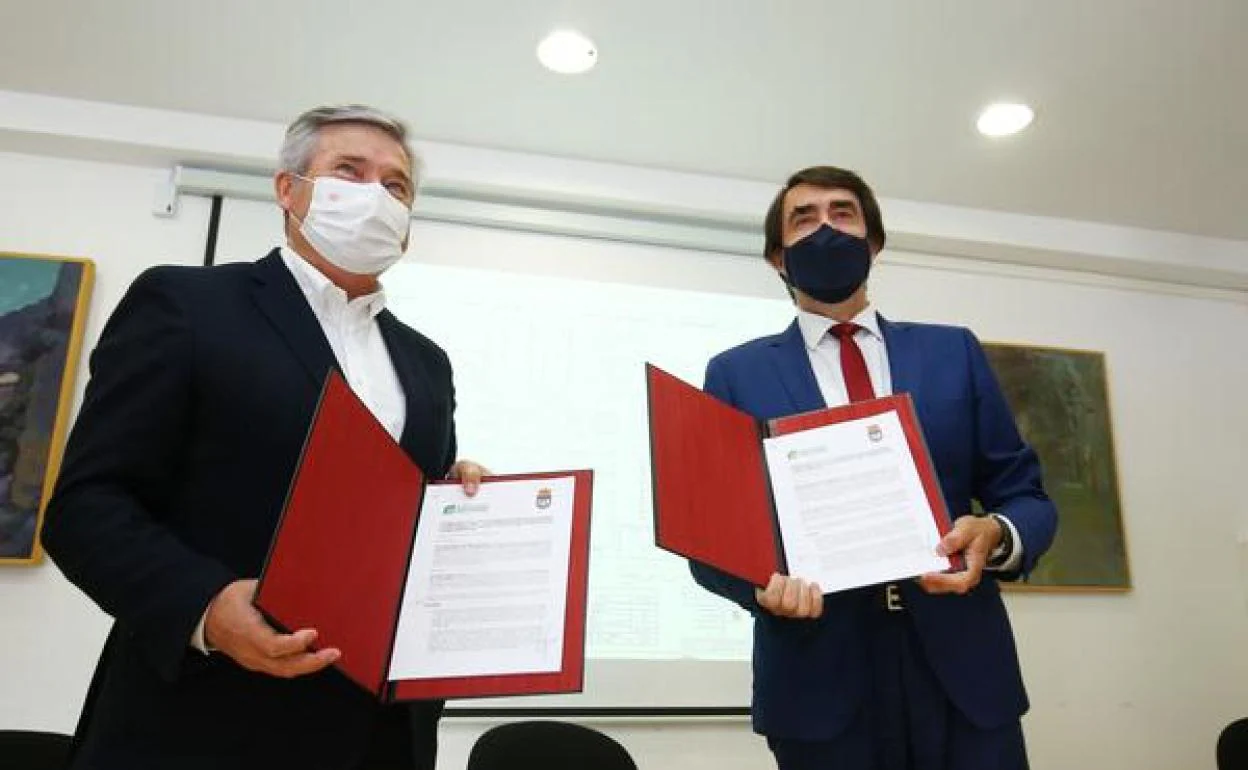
<point x="776" y="260"/>
<point x="876" y="248"/>
<point x="283" y="181"/>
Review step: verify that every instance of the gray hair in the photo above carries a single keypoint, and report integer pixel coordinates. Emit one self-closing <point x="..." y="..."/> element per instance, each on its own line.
<point x="301" y="137"/>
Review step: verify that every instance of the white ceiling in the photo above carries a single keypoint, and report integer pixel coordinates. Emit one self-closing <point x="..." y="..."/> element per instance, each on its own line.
<point x="1142" y="105"/>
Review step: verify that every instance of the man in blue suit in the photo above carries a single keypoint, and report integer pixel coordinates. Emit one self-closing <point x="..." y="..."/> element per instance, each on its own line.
<point x="916" y="675"/>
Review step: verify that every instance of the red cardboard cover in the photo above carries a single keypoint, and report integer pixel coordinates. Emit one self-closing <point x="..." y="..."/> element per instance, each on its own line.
<point x="571" y="676"/>
<point x="712" y="494"/>
<point x="339" y="559"/>
<point x="904" y="406"/>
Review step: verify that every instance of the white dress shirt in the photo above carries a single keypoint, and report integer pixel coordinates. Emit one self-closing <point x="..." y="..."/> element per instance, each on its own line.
<point x="350" y="326"/>
<point x="824" y="350"/>
<point x="353" y="334"/>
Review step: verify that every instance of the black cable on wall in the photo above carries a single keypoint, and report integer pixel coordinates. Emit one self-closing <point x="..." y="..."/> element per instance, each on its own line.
<point x="214" y="224"/>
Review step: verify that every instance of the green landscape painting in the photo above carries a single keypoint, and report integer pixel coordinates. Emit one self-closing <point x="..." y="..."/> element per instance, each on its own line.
<point x="1061" y="401"/>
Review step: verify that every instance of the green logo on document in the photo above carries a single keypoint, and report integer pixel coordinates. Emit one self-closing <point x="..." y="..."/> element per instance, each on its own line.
<point x="464" y="508"/>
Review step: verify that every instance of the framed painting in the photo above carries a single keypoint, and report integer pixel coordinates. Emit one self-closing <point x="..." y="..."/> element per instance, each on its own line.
<point x="1060" y="399"/>
<point x="43" y="308"/>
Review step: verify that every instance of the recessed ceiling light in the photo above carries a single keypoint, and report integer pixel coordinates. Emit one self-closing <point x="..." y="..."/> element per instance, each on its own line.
<point x="567" y="52"/>
<point x="1004" y="118"/>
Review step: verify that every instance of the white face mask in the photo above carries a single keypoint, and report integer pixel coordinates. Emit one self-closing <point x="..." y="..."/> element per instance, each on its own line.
<point x="358" y="227"/>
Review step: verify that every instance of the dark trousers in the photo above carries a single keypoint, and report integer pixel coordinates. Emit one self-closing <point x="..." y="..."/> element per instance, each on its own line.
<point x="404" y="737"/>
<point x="907" y="723"/>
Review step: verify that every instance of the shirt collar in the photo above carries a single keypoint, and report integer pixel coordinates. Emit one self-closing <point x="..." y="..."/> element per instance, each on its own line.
<point x="814" y="327"/>
<point x="323" y="294"/>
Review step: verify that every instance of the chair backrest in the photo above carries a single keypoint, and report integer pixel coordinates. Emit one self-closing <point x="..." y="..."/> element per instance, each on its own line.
<point x="29" y="750"/>
<point x="1233" y="746"/>
<point x="543" y="745"/>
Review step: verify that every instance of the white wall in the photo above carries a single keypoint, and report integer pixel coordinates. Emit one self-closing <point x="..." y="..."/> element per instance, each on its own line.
<point x="1142" y="680"/>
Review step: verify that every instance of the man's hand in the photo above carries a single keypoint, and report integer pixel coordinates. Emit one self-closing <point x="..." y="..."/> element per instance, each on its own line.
<point x="469" y="473"/>
<point x="789" y="597"/>
<point x="235" y="628"/>
<point x="974" y="537"/>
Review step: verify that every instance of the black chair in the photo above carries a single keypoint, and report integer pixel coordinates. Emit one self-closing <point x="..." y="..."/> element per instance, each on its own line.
<point x="1233" y="746"/>
<point x="544" y="745"/>
<point x="29" y="750"/>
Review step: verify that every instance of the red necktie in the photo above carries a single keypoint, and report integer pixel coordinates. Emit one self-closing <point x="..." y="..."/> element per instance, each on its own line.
<point x="853" y="365"/>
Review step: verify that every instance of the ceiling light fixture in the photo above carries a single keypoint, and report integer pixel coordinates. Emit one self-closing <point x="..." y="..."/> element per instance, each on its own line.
<point x="1004" y="118"/>
<point x="567" y="52"/>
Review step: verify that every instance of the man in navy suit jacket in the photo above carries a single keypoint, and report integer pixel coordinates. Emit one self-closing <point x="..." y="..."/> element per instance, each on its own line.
<point x="917" y="675"/>
<point x="203" y="387"/>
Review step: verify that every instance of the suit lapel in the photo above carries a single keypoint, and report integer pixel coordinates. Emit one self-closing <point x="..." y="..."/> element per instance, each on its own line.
<point x="793" y="366"/>
<point x="905" y="357"/>
<point x="283" y="304"/>
<point x="416" y="392"/>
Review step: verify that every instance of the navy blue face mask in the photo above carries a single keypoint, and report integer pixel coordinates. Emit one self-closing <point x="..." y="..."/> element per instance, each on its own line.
<point x="829" y="265"/>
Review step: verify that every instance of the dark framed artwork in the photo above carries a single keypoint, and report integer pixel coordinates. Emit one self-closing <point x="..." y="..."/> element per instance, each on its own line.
<point x="1060" y="399"/>
<point x="43" y="308"/>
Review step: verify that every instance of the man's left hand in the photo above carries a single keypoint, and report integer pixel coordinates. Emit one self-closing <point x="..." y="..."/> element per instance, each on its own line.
<point x="974" y="537"/>
<point x="469" y="473"/>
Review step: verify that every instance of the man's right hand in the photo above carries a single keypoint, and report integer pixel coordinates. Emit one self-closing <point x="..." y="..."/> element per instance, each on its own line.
<point x="789" y="597"/>
<point x="233" y="627"/>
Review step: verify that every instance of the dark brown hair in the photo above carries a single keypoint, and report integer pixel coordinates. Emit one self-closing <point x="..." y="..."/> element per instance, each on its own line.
<point x="829" y="178"/>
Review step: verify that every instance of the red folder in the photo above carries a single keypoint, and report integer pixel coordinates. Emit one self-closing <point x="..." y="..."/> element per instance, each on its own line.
<point x="339" y="559"/>
<point x="712" y="493"/>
